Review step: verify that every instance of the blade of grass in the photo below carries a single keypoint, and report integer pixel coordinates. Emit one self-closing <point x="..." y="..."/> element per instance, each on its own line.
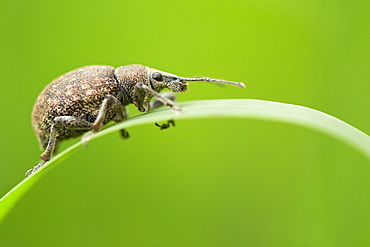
<point x="238" y="108"/>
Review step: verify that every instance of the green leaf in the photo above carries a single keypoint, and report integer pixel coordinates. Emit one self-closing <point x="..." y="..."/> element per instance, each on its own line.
<point x="238" y="108"/>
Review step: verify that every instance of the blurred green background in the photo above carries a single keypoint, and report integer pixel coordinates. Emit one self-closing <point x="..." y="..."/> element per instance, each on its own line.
<point x="205" y="182"/>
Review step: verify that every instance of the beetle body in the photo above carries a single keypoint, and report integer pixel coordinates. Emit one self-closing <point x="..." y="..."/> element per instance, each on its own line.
<point x="80" y="93"/>
<point x="89" y="97"/>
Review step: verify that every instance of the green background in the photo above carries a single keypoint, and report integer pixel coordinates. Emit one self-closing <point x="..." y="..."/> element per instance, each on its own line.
<point x="206" y="182"/>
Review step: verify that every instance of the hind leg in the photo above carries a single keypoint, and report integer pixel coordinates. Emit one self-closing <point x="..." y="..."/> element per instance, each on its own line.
<point x="73" y="123"/>
<point x="67" y="122"/>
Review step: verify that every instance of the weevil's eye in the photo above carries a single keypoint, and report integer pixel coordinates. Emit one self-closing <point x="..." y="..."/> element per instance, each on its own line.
<point x="157" y="76"/>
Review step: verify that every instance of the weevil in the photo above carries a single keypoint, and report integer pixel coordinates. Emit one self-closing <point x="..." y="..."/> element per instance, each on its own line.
<point x="89" y="97"/>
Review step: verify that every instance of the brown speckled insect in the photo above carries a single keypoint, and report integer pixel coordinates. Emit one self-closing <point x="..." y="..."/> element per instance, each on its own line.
<point x="89" y="97"/>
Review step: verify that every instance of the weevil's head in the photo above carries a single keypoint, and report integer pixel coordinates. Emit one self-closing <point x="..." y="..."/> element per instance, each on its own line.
<point x="139" y="84"/>
<point x="159" y="80"/>
<point x="130" y="75"/>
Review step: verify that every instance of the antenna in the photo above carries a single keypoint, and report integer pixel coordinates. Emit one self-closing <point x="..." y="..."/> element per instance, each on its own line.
<point x="238" y="84"/>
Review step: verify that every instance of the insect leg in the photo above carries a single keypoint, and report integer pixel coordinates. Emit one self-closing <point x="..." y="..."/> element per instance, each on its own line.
<point x="165" y="101"/>
<point x="108" y="102"/>
<point x="45" y="156"/>
<point x="67" y="122"/>
<point x="166" y="125"/>
<point x="157" y="103"/>
<point x="124" y="134"/>
<point x="119" y="118"/>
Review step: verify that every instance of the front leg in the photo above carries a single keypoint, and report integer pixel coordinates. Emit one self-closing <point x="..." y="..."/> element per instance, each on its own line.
<point x="166" y="125"/>
<point x="165" y="101"/>
<point x="157" y="103"/>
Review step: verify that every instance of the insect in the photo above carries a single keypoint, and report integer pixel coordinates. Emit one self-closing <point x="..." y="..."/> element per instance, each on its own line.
<point x="87" y="98"/>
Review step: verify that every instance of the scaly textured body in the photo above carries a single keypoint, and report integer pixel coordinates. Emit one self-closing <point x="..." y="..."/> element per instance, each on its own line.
<point x="89" y="97"/>
<point x="78" y="93"/>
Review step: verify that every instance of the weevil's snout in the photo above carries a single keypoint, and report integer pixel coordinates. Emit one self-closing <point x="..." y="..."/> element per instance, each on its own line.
<point x="177" y="85"/>
<point x="160" y="80"/>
